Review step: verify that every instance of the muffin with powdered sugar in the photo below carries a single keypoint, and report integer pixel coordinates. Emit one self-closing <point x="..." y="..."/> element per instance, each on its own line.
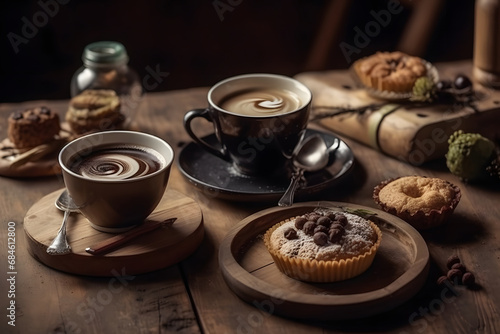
<point x="323" y="245"/>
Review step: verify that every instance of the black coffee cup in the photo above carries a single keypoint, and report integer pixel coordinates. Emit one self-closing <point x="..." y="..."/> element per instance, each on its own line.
<point x="258" y="120"/>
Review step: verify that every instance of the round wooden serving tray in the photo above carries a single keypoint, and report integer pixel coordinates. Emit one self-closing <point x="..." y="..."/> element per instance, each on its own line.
<point x="398" y="271"/>
<point x="154" y="250"/>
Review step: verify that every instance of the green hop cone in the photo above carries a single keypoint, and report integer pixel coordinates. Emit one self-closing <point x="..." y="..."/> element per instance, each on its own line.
<point x="424" y="90"/>
<point x="469" y="155"/>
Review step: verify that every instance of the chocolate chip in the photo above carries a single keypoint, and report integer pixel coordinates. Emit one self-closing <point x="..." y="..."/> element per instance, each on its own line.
<point x="451" y="261"/>
<point x="336" y="226"/>
<point x="299" y="222"/>
<point x="290" y="233"/>
<point x="340" y="219"/>
<point x="321" y="228"/>
<point x="16" y="115"/>
<point x="468" y="279"/>
<point x="313" y="216"/>
<point x="331" y="215"/>
<point x="325" y="221"/>
<point x="320" y="238"/>
<point x="309" y="227"/>
<point x="334" y="235"/>
<point x="33" y="118"/>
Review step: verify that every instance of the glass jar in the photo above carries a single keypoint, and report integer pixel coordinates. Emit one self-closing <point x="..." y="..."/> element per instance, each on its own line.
<point x="105" y="67"/>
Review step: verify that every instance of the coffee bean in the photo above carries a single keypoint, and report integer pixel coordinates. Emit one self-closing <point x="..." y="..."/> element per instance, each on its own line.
<point x="451" y="261"/>
<point x="459" y="266"/>
<point x="441" y="280"/>
<point x="468" y="279"/>
<point x="454" y="274"/>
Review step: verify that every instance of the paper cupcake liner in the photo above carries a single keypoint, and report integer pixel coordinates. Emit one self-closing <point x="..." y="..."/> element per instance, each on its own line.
<point x="322" y="271"/>
<point x="420" y="220"/>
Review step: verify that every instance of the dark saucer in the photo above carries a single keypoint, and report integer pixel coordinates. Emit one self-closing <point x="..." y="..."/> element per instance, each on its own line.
<point x="218" y="178"/>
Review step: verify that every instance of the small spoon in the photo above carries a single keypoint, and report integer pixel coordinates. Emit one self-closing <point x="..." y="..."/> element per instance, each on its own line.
<point x="310" y="156"/>
<point x="331" y="151"/>
<point x="59" y="245"/>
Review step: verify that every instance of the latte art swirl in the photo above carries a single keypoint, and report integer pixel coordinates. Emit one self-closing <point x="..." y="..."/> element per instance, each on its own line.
<point x="261" y="102"/>
<point x="277" y="103"/>
<point x="117" y="163"/>
<point x="115" y="166"/>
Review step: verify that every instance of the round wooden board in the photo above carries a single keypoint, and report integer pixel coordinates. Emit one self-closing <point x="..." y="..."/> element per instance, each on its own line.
<point x="398" y="272"/>
<point x="151" y="251"/>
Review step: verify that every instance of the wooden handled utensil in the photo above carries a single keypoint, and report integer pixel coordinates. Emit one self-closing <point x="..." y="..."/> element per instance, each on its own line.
<point x="120" y="239"/>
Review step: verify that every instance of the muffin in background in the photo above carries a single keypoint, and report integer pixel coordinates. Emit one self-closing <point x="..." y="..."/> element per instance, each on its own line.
<point x="390" y="71"/>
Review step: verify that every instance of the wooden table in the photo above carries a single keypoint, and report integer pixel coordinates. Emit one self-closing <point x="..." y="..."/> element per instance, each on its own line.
<point x="192" y="296"/>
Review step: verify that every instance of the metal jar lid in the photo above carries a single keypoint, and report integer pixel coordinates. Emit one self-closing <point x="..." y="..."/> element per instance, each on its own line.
<point x="104" y="53"/>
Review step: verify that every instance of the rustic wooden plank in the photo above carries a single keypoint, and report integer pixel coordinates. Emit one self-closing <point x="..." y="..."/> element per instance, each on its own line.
<point x="193" y="297"/>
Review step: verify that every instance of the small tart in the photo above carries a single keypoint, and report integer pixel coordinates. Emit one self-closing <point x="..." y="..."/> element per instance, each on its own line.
<point x="301" y="257"/>
<point x="421" y="201"/>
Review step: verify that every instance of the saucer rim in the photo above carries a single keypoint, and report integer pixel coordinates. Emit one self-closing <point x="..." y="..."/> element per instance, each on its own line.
<point x="235" y="195"/>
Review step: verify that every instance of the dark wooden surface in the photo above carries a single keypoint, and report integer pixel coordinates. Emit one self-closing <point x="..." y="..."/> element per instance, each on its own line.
<point x="192" y="297"/>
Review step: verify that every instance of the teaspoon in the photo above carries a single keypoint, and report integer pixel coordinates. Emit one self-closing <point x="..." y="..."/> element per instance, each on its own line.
<point x="311" y="155"/>
<point x="60" y="245"/>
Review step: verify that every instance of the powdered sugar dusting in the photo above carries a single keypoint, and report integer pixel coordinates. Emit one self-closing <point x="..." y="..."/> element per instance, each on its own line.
<point x="357" y="239"/>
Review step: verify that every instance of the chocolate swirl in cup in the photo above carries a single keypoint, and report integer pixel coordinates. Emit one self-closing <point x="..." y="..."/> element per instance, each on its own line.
<point x="261" y="102"/>
<point x="117" y="163"/>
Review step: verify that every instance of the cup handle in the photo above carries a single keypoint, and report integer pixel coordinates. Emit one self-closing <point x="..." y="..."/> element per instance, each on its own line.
<point x="204" y="113"/>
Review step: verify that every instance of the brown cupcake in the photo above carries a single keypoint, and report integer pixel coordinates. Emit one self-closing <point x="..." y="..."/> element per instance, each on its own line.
<point x="312" y="252"/>
<point x="421" y="201"/>
<point x="33" y="127"/>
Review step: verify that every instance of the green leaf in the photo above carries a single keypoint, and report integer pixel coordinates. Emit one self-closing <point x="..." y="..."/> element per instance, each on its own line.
<point x="359" y="212"/>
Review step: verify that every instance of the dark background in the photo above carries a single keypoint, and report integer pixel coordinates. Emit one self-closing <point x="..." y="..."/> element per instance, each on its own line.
<point x="197" y="44"/>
